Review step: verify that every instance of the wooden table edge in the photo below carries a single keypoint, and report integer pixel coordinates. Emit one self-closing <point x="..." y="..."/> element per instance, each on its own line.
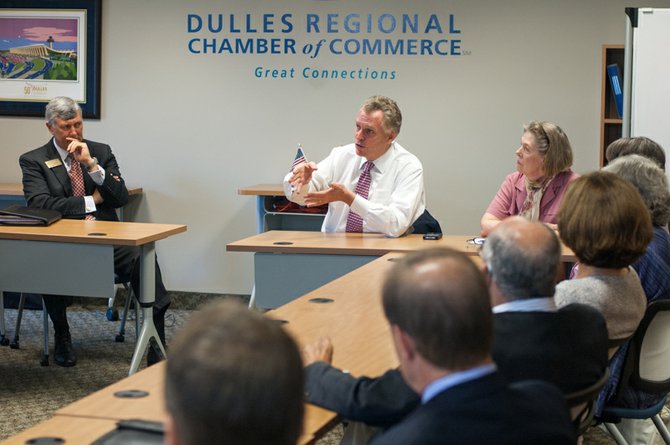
<point x="95" y="239"/>
<point x="262" y="190"/>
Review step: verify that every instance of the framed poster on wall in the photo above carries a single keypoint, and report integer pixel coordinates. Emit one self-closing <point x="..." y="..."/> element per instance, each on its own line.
<point x="49" y="48"/>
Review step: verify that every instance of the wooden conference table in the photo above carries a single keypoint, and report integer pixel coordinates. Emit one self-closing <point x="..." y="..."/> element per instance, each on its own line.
<point x="349" y="311"/>
<point x="76" y="257"/>
<point x="290" y="263"/>
<point x="332" y="310"/>
<point x="63" y="430"/>
<point x="87" y="419"/>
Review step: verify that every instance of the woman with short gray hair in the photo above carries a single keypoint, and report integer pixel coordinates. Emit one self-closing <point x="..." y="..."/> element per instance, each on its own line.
<point x="653" y="269"/>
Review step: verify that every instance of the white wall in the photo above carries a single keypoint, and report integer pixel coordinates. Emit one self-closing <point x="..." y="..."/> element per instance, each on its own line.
<point x="192" y="129"/>
<point x="650" y="88"/>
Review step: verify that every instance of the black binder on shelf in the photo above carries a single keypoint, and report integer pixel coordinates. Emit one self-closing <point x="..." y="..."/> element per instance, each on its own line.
<point x="17" y="215"/>
<point x="615" y="82"/>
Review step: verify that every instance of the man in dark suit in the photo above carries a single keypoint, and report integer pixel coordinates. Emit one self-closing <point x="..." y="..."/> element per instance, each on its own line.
<point x="532" y="339"/>
<point x="81" y="179"/>
<point x="437" y="304"/>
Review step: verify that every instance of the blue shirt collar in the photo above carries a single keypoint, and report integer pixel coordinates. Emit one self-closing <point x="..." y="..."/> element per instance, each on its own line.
<point x="539" y="304"/>
<point x="446" y="382"/>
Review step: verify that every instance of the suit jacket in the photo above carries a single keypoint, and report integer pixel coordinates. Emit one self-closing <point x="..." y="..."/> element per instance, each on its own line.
<point x="50" y="188"/>
<point x="487" y="410"/>
<point x="567" y="348"/>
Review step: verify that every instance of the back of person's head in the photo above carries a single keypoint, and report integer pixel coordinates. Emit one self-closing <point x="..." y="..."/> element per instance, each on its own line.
<point x="650" y="181"/>
<point x="604" y="221"/>
<point x="553" y="143"/>
<point x="439" y="298"/>
<point x="234" y="377"/>
<point x="638" y="145"/>
<point x="522" y="257"/>
<point x="61" y="107"/>
<point x="392" y="120"/>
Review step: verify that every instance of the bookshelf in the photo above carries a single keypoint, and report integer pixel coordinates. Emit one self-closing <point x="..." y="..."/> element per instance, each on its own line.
<point x="610" y="122"/>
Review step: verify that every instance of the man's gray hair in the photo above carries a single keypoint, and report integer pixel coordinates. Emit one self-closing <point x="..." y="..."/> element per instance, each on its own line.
<point x="392" y="120"/>
<point x="650" y="181"/>
<point x="521" y="270"/>
<point x="61" y="107"/>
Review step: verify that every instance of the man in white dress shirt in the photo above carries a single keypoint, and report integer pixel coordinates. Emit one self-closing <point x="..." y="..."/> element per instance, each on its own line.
<point x="395" y="195"/>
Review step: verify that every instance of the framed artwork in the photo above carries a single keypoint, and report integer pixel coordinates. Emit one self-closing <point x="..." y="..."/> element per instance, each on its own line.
<point x="49" y="48"/>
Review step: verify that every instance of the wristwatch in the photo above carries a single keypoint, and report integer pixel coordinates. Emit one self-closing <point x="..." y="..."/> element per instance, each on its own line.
<point x="92" y="164"/>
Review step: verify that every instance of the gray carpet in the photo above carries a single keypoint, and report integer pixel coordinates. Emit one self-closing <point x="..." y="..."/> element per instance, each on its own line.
<point x="30" y="393"/>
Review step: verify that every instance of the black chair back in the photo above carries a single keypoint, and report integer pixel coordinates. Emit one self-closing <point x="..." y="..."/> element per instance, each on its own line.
<point x="426" y="223"/>
<point x="582" y="404"/>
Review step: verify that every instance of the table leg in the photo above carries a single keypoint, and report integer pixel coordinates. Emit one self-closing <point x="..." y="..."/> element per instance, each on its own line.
<point x="260" y="214"/>
<point x="260" y="228"/>
<point x="252" y="297"/>
<point x="147" y="298"/>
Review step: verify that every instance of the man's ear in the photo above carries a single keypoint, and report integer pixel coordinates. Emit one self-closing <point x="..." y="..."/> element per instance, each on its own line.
<point x="49" y="128"/>
<point x="487" y="275"/>
<point x="405" y="345"/>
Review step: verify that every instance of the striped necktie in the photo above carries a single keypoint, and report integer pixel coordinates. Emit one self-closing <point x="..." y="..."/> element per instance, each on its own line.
<point x="354" y="221"/>
<point x="77" y="181"/>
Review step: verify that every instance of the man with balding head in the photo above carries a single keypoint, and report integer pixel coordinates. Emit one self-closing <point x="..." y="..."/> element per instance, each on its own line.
<point x="438" y="306"/>
<point x="532" y="339"/>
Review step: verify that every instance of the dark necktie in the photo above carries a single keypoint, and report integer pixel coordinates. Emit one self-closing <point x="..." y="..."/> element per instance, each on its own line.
<point x="77" y="181"/>
<point x="354" y="221"/>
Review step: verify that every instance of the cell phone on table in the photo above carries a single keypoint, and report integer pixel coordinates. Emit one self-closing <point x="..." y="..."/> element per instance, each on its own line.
<point x="432" y="236"/>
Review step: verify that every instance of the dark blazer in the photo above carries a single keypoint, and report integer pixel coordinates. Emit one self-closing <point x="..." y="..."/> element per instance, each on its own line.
<point x="487" y="411"/>
<point x="567" y="348"/>
<point x="50" y="188"/>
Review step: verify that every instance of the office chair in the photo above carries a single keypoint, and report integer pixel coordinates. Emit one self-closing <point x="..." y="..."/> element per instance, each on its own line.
<point x="426" y="223"/>
<point x="582" y="404"/>
<point x="120" y="337"/>
<point x="14" y="344"/>
<point x="646" y="368"/>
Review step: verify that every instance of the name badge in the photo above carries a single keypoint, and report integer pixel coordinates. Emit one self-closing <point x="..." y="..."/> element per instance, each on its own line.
<point x="51" y="163"/>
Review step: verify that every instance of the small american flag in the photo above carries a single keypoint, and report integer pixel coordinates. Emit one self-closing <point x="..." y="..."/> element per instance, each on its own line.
<point x="299" y="158"/>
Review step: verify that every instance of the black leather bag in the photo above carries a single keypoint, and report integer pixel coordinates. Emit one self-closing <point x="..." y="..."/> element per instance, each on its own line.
<point x="17" y="215"/>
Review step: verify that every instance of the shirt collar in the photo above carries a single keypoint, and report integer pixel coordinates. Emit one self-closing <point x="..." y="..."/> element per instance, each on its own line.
<point x="61" y="151"/>
<point x="451" y="380"/>
<point x="539" y="304"/>
<point x="383" y="161"/>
